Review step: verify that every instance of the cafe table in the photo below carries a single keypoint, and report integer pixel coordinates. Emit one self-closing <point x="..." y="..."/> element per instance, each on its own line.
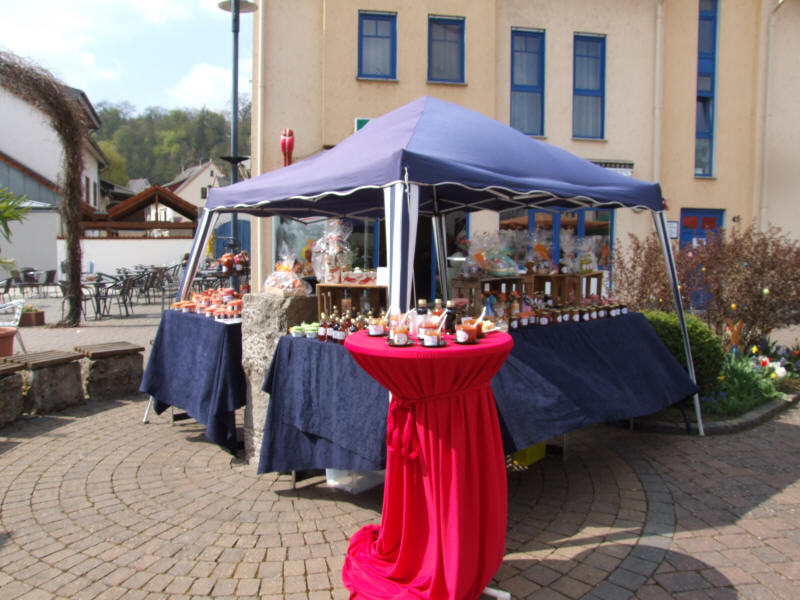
<point x="445" y="502"/>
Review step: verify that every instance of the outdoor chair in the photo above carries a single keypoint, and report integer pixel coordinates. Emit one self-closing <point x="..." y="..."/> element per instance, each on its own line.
<point x="10" y="314"/>
<point x="30" y="280"/>
<point x="49" y="280"/>
<point x="5" y="289"/>
<point x="87" y="304"/>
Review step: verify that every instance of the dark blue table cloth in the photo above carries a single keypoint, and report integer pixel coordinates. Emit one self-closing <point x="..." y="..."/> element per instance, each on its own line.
<point x="196" y="365"/>
<point x="570" y="375"/>
<point x="325" y="411"/>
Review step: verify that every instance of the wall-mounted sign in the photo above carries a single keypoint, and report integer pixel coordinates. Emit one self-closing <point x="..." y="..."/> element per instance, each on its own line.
<point x="672" y="229"/>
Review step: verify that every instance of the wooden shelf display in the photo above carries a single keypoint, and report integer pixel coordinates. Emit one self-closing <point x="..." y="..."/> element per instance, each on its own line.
<point x="564" y="289"/>
<point x="344" y="296"/>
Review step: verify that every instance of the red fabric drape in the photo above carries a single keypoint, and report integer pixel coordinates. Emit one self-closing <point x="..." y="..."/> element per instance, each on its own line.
<point x="443" y="525"/>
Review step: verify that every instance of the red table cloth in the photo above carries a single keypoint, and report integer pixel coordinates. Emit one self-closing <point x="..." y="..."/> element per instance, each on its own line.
<point x="445" y="501"/>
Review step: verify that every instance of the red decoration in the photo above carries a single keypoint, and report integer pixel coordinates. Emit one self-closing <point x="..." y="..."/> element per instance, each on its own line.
<point x="287" y="146"/>
<point x="443" y="523"/>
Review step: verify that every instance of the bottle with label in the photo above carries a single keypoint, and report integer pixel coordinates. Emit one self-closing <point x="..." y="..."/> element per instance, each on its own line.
<point x="437" y="307"/>
<point x="322" y="330"/>
<point x="338" y="334"/>
<point x="331" y="333"/>
<point x="422" y="307"/>
<point x="450" y="318"/>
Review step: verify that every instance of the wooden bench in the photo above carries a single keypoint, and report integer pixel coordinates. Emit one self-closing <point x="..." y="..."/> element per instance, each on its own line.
<point x="11" y="405"/>
<point x="51" y="380"/>
<point x="111" y="370"/>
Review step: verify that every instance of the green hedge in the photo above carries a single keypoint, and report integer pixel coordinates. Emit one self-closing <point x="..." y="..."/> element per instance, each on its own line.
<point x="707" y="351"/>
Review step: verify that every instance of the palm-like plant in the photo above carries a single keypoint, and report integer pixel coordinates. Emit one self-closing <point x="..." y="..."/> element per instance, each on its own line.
<point x="11" y="209"/>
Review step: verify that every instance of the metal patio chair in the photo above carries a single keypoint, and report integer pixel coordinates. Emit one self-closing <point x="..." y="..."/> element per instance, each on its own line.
<point x="10" y="314"/>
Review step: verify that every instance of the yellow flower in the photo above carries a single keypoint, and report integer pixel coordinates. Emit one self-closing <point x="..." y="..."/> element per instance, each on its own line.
<point x="722" y="377"/>
<point x="774" y="375"/>
<point x="733" y="306"/>
<point x="754" y="350"/>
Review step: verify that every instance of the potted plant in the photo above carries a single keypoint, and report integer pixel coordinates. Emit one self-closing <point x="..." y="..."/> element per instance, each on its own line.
<point x="31" y="316"/>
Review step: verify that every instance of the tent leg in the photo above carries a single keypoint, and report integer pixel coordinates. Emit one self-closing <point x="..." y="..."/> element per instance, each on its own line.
<point x="437" y="221"/>
<point x="661" y="227"/>
<point x="200" y="237"/>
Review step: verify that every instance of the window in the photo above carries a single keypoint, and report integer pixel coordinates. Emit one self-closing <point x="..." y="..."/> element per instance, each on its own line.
<point x="588" y="96"/>
<point x="527" y="81"/>
<point x="446" y="49"/>
<point x="706" y="75"/>
<point x="377" y="45"/>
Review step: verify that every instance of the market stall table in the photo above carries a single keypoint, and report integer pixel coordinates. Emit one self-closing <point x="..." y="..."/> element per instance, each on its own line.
<point x="443" y="522"/>
<point x="196" y="365"/>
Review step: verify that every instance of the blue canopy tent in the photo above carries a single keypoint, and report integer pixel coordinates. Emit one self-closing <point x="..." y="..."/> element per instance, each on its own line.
<point x="431" y="157"/>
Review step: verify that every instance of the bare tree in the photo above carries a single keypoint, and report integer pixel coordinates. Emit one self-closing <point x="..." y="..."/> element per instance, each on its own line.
<point x="39" y="88"/>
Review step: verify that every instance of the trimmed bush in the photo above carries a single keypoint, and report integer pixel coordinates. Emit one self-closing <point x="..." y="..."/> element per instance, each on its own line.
<point x="707" y="351"/>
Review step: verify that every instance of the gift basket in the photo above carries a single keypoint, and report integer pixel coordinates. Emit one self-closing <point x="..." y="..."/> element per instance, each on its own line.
<point x="330" y="254"/>
<point x="285" y="279"/>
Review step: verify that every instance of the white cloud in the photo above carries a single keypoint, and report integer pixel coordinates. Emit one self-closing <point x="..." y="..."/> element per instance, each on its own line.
<point x="205" y="85"/>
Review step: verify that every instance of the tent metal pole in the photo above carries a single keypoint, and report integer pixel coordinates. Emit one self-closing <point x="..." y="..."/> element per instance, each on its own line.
<point x="437" y="221"/>
<point x="659" y="220"/>
<point x="200" y="238"/>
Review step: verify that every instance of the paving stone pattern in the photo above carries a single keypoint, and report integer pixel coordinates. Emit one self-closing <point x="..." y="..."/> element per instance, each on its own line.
<point x="96" y="505"/>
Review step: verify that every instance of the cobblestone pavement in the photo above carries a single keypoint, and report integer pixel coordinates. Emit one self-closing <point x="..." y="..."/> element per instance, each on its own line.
<point x="96" y="505"/>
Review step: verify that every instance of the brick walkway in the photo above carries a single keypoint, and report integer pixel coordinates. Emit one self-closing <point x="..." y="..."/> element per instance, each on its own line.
<point x="94" y="504"/>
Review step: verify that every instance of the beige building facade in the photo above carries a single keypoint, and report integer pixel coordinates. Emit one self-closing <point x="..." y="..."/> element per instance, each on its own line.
<point x="700" y="95"/>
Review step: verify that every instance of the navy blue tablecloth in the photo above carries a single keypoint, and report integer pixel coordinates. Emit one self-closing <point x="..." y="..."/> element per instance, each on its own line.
<point x="196" y="365"/>
<point x="570" y="375"/>
<point x="324" y="410"/>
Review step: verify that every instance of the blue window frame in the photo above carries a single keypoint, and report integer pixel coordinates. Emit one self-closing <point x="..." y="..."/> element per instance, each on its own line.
<point x="706" y="83"/>
<point x="588" y="95"/>
<point x="446" y="49"/>
<point x="377" y="45"/>
<point x="527" y="81"/>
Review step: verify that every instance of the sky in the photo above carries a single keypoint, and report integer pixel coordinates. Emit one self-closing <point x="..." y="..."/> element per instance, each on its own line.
<point x="150" y="53"/>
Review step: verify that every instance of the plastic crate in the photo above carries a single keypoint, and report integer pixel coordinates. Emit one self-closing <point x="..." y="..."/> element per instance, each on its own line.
<point x="353" y="482"/>
<point x="532" y="454"/>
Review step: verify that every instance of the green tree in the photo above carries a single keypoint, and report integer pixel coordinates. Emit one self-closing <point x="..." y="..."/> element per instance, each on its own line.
<point x="115" y="171"/>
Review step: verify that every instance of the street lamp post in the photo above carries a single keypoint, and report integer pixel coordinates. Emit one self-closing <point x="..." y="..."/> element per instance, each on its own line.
<point x="235" y="7"/>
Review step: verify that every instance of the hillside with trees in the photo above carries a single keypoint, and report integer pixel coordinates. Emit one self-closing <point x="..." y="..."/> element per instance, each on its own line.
<point x="158" y="143"/>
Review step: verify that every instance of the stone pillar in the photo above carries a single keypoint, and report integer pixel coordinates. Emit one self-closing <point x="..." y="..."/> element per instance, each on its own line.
<point x="265" y="318"/>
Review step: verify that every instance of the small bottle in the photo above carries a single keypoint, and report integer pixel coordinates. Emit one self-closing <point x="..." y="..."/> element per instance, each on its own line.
<point x="450" y="318"/>
<point x="422" y="307"/>
<point x="437" y="307"/>
<point x="331" y="330"/>
<point x="337" y="328"/>
<point x="322" y="330"/>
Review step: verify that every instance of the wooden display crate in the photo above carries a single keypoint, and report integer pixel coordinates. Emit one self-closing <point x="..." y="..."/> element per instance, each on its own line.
<point x="344" y="296"/>
<point x="472" y="289"/>
<point x="569" y="289"/>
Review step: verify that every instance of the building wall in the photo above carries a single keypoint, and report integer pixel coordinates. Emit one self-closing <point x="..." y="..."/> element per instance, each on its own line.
<point x="650" y="89"/>
<point x="33" y="241"/>
<point x="780" y="201"/>
<point x="27" y="137"/>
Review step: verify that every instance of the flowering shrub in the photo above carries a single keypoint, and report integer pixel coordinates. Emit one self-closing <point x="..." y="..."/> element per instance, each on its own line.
<point x="743" y="385"/>
<point x="743" y="280"/>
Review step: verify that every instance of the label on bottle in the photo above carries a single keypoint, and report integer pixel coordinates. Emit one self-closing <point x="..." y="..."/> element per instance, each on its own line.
<point x="340" y="335"/>
<point x="430" y="340"/>
<point x="524" y="321"/>
<point x="514" y="323"/>
<point x="330" y="332"/>
<point x="461" y="335"/>
<point x="400" y="339"/>
<point x="544" y="321"/>
<point x="322" y="331"/>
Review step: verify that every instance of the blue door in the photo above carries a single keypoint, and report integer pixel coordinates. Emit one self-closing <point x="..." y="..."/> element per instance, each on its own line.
<point x="697" y="222"/>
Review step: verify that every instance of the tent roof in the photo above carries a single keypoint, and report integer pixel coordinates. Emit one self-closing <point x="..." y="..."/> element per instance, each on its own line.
<point x="461" y="160"/>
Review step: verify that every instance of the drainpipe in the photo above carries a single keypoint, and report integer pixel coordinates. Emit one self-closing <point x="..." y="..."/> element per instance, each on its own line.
<point x="762" y="199"/>
<point x="658" y="84"/>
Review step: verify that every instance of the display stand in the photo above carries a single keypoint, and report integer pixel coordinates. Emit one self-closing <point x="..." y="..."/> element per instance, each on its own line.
<point x="569" y="289"/>
<point x="344" y="296"/>
<point x="472" y="289"/>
